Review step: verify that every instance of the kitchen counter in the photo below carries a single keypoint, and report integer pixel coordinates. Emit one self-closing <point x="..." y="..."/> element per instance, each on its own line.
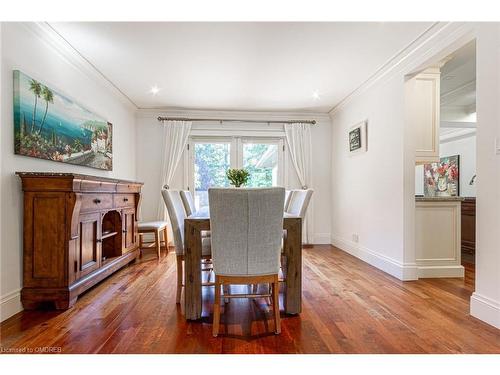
<point x="438" y="236"/>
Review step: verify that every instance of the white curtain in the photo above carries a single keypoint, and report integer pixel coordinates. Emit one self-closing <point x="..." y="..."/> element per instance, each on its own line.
<point x="175" y="138"/>
<point x="298" y="138"/>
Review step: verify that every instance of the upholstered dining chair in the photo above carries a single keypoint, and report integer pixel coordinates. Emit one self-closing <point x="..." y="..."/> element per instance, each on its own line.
<point x="297" y="206"/>
<point x="187" y="199"/>
<point x="247" y="228"/>
<point x="298" y="202"/>
<point x="287" y="199"/>
<point x="177" y="214"/>
<point x="190" y="207"/>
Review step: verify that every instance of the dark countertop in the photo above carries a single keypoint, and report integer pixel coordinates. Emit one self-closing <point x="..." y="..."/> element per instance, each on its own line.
<point x="439" y="199"/>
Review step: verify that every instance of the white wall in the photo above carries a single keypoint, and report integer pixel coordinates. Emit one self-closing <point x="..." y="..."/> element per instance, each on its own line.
<point x="149" y="149"/>
<point x="466" y="148"/>
<point x="25" y="50"/>
<point x="367" y="188"/>
<point x="375" y="194"/>
<point x="485" y="302"/>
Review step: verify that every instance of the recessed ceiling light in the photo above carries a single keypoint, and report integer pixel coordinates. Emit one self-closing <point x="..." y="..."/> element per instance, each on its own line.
<point x="154" y="90"/>
<point x="315" y="95"/>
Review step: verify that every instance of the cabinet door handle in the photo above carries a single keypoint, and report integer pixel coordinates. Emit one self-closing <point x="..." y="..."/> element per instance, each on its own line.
<point x="125" y="199"/>
<point x="76" y="266"/>
<point x="97" y="201"/>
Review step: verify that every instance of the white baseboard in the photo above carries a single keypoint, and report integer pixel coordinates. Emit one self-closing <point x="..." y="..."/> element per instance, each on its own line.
<point x="321" y="239"/>
<point x="485" y="309"/>
<point x="440" y="271"/>
<point x="391" y="266"/>
<point x="10" y="304"/>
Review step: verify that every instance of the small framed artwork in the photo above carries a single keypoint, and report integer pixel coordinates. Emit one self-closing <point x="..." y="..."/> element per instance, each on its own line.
<point x="357" y="138"/>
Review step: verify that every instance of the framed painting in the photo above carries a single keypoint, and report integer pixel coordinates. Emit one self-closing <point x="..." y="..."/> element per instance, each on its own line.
<point x="442" y="179"/>
<point x="357" y="138"/>
<point x="49" y="125"/>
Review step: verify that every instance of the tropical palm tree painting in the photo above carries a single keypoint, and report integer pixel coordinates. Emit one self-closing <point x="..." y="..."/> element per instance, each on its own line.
<point x="48" y="125"/>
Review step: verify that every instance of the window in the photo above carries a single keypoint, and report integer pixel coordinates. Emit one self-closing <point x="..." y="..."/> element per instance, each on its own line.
<point x="261" y="160"/>
<point x="210" y="158"/>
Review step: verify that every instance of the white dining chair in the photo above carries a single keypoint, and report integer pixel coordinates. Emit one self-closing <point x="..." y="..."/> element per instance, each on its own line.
<point x="190" y="207"/>
<point x="187" y="199"/>
<point x="297" y="206"/>
<point x="247" y="228"/>
<point x="299" y="202"/>
<point x="287" y="199"/>
<point x="177" y="214"/>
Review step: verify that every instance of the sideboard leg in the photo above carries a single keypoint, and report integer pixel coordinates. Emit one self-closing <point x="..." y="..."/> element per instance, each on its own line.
<point x="64" y="304"/>
<point x="30" y="304"/>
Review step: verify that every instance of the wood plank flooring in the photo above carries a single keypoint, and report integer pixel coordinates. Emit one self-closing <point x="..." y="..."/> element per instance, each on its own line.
<point x="348" y="307"/>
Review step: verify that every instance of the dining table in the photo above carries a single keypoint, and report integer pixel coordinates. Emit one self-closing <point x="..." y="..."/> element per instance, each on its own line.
<point x="291" y="265"/>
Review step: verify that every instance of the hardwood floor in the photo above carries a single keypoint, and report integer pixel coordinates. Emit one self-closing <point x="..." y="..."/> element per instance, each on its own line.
<point x="348" y="307"/>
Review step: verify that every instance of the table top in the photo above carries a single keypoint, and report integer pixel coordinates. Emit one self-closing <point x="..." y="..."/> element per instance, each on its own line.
<point x="204" y="214"/>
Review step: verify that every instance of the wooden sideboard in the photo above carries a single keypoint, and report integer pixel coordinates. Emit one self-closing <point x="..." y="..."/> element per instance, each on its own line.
<point x="469" y="226"/>
<point x="78" y="230"/>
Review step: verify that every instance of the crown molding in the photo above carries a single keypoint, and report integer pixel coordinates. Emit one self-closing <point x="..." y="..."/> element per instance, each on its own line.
<point x="60" y="45"/>
<point x="435" y="44"/>
<point x="457" y="134"/>
<point x="229" y="114"/>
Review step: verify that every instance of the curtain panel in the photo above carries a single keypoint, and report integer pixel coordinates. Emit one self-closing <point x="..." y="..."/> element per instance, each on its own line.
<point x="175" y="138"/>
<point x="298" y="138"/>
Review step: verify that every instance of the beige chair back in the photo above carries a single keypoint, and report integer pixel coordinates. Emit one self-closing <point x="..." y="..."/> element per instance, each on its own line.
<point x="299" y="201"/>
<point x="247" y="229"/>
<point x="287" y="199"/>
<point x="187" y="199"/>
<point x="177" y="214"/>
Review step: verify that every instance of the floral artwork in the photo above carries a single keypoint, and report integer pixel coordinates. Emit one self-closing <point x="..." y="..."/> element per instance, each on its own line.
<point x="48" y="125"/>
<point x="442" y="179"/>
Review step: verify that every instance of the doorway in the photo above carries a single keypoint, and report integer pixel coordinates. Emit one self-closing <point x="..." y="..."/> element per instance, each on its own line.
<point x="445" y="185"/>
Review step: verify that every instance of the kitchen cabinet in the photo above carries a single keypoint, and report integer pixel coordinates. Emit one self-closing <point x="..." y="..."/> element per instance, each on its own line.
<point x="423" y="103"/>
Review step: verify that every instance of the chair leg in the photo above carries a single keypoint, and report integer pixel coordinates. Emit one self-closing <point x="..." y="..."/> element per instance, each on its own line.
<point x="276" y="306"/>
<point x="157" y="242"/>
<point x="215" y="328"/>
<point x="226" y="292"/>
<point x="140" y="244"/>
<point x="165" y="238"/>
<point x="179" y="279"/>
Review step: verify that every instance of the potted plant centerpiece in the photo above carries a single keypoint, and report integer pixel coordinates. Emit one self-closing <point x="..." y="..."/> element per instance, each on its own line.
<point x="237" y="177"/>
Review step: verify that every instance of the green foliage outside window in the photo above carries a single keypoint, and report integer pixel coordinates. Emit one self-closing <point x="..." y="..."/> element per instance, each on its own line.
<point x="212" y="160"/>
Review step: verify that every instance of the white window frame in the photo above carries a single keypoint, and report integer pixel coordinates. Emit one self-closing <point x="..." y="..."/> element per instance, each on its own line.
<point x="236" y="151"/>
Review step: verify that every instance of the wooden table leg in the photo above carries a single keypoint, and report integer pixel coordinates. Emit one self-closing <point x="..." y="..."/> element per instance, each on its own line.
<point x="293" y="268"/>
<point x="192" y="271"/>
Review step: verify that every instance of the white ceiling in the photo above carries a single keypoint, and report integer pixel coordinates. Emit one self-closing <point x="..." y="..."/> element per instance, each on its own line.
<point x="458" y="94"/>
<point x="239" y="66"/>
<point x="458" y="77"/>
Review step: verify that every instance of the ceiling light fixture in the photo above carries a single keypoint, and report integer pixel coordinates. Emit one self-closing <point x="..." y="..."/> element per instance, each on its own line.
<point x="315" y="95"/>
<point x="154" y="90"/>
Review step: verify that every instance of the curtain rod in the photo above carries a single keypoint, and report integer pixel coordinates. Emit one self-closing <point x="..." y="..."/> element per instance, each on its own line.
<point x="312" y="122"/>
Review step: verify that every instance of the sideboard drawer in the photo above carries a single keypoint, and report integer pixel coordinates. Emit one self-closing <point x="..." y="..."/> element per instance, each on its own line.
<point x="96" y="202"/>
<point x="124" y="200"/>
